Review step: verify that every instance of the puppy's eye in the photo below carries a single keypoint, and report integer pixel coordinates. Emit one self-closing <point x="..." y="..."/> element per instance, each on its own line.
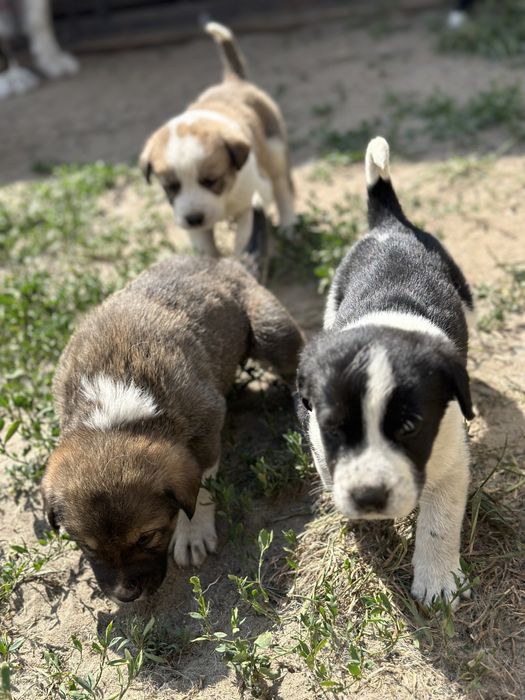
<point x="172" y="188"/>
<point x="210" y="182"/>
<point x="409" y="427"/>
<point x="306" y="403"/>
<point x="146" y="539"/>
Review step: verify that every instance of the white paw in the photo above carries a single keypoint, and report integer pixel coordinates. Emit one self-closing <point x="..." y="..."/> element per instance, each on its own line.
<point x="432" y="583"/>
<point x="17" y="80"/>
<point x="54" y="63"/>
<point x="196" y="538"/>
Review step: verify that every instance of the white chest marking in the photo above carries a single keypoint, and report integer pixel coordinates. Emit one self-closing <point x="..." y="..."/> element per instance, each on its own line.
<point x="115" y="402"/>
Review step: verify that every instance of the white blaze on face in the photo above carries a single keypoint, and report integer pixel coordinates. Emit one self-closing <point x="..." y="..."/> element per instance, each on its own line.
<point x="185" y="155"/>
<point x="378" y="464"/>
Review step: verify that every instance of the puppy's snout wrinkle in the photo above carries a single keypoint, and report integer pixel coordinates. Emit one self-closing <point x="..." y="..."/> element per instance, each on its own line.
<point x="195" y="219"/>
<point x="368" y="499"/>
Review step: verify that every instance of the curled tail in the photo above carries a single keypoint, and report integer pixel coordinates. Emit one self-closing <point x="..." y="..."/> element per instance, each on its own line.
<point x="254" y="257"/>
<point x="231" y="57"/>
<point x="382" y="199"/>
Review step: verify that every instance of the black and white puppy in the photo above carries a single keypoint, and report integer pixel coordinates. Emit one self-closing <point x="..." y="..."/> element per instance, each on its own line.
<point x="384" y="387"/>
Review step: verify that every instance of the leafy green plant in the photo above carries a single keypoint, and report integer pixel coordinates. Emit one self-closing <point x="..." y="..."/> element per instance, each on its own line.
<point x="27" y="562"/>
<point x="247" y="656"/>
<point x="123" y="656"/>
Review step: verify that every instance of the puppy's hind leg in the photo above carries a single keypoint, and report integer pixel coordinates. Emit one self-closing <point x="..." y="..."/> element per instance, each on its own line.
<point x="437" y="569"/>
<point x="276" y="338"/>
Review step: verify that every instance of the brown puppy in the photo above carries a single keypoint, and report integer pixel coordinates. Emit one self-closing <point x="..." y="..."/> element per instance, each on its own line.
<point x="227" y="145"/>
<point x="140" y="394"/>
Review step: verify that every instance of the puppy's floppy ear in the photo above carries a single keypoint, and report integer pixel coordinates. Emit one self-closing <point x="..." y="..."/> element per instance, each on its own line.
<point x="52" y="508"/>
<point x="461" y="388"/>
<point x="238" y="149"/>
<point x="145" y="165"/>
<point x="184" y="481"/>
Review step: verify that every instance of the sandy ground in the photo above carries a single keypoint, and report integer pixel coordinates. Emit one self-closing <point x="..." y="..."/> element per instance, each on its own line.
<point x="106" y="113"/>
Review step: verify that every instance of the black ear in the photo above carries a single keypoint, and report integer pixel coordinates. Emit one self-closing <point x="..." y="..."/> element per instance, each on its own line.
<point x="239" y="151"/>
<point x="188" y="507"/>
<point x="146" y="168"/>
<point x="461" y="388"/>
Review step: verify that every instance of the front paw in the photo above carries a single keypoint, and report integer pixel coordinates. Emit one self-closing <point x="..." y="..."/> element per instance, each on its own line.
<point x="432" y="583"/>
<point x="194" y="539"/>
<point x="55" y="63"/>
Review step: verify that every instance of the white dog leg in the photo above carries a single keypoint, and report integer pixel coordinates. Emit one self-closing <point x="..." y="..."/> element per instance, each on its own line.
<point x="16" y="80"/>
<point x="194" y="539"/>
<point x="48" y="55"/>
<point x="284" y="200"/>
<point x="442" y="506"/>
<point x="243" y="232"/>
<point x="203" y="243"/>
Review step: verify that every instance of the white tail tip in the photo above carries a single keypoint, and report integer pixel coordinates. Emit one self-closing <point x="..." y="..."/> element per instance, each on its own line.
<point x="218" y="31"/>
<point x="377" y="161"/>
<point x="257" y="201"/>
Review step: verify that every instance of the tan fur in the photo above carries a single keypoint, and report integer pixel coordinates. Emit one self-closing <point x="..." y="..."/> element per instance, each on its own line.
<point x="179" y="332"/>
<point x="256" y="127"/>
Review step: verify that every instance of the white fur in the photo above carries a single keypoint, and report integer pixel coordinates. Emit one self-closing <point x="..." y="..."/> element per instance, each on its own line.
<point x="442" y="506"/>
<point x="16" y="80"/>
<point x="318" y="453"/>
<point x="194" y="539"/>
<point x="457" y="19"/>
<point x="378" y="464"/>
<point x="396" y="319"/>
<point x="330" y="311"/>
<point x="185" y="154"/>
<point x="115" y="402"/>
<point x="377" y="161"/>
<point x="219" y="31"/>
<point x="48" y="55"/>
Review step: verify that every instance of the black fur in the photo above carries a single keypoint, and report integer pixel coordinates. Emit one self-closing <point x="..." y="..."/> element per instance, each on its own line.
<point x="396" y="267"/>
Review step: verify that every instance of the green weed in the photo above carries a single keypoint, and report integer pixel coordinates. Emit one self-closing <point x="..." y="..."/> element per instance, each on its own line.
<point x="505" y="298"/>
<point x="247" y="656"/>
<point x="496" y="30"/>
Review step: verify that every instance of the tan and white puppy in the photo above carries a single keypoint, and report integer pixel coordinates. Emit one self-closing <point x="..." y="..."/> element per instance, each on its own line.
<point x="227" y="145"/>
<point x="140" y="391"/>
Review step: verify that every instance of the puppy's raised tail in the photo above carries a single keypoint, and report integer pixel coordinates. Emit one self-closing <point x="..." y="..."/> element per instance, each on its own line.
<point x="255" y="255"/>
<point x="382" y="199"/>
<point x="232" y="60"/>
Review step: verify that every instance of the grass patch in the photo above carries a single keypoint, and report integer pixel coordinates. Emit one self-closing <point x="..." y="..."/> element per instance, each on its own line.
<point x="496" y="29"/>
<point x="498" y="301"/>
<point x="410" y="122"/>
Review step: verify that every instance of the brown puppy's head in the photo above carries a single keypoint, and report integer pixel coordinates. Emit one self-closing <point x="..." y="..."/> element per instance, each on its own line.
<point x="196" y="158"/>
<point x="117" y="495"/>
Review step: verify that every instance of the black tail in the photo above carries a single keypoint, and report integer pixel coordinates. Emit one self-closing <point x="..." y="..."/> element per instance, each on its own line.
<point x="255" y="255"/>
<point x="382" y="199"/>
<point x="232" y="60"/>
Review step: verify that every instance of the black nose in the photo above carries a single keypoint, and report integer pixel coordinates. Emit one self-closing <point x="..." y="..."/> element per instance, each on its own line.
<point x="370" y="498"/>
<point x="195" y="219"/>
<point x="126" y="594"/>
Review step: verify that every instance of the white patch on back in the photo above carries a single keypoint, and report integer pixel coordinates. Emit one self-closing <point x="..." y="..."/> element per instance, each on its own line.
<point x="398" y="319"/>
<point x="378" y="465"/>
<point x="115" y="402"/>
